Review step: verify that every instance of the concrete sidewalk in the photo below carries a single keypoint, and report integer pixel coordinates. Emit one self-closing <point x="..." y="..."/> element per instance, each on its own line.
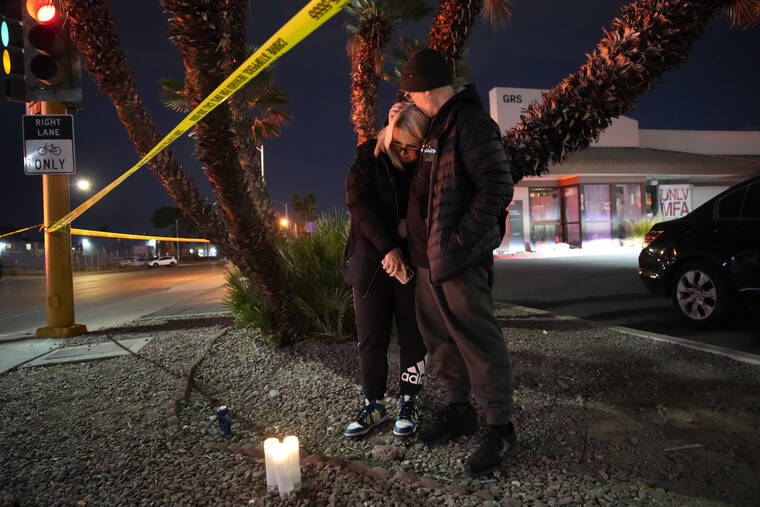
<point x="19" y="347"/>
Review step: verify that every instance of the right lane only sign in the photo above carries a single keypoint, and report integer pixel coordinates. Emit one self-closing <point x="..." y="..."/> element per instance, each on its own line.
<point x="48" y="144"/>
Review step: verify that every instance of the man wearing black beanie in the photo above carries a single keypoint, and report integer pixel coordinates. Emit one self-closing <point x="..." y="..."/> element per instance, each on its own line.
<point x="455" y="215"/>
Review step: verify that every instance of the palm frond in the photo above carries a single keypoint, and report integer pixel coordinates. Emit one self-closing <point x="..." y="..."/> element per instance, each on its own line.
<point x="352" y="45"/>
<point x="398" y="55"/>
<point x="742" y="13"/>
<point x="410" y="9"/>
<point x="173" y="95"/>
<point x="496" y="12"/>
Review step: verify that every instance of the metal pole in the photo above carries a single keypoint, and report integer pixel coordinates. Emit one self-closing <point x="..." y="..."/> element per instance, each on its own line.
<point x="58" y="267"/>
<point x="261" y="150"/>
<point x="176" y="229"/>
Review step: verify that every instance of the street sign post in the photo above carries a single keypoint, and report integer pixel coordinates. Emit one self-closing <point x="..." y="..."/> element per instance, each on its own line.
<point x="49" y="144"/>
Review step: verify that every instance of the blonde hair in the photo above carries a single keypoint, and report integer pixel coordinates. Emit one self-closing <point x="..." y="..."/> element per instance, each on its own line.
<point x="407" y="117"/>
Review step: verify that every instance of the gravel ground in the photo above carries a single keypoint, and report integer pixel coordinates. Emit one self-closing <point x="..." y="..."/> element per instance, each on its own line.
<point x="603" y="419"/>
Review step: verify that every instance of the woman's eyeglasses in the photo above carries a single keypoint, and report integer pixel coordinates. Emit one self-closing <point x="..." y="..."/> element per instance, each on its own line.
<point x="403" y="148"/>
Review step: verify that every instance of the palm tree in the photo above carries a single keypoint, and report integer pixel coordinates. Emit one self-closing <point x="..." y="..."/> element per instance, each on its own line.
<point x="210" y="36"/>
<point x="648" y="39"/>
<point x="451" y="26"/>
<point x="305" y="208"/>
<point x="370" y="28"/>
<point x="259" y="105"/>
<point x="93" y="31"/>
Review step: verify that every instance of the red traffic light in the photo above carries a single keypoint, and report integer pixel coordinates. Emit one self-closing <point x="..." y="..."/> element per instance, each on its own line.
<point x="42" y="11"/>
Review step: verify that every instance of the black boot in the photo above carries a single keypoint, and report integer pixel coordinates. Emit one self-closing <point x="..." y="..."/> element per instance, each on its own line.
<point x="457" y="419"/>
<point x="499" y="442"/>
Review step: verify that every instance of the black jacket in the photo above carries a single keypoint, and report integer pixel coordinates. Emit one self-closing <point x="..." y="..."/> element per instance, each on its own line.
<point x="374" y="198"/>
<point x="470" y="186"/>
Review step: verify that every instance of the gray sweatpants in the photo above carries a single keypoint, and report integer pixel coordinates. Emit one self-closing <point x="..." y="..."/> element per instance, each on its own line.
<point x="464" y="340"/>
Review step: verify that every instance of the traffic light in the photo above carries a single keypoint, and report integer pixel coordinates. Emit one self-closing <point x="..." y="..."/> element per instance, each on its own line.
<point x="53" y="66"/>
<point x="12" y="35"/>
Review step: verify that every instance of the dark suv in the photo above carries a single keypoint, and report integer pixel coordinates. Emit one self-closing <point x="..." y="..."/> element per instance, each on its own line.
<point x="710" y="258"/>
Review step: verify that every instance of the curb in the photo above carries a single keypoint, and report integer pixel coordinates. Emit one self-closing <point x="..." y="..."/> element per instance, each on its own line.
<point x="186" y="380"/>
<point x="736" y="355"/>
<point x="16" y="337"/>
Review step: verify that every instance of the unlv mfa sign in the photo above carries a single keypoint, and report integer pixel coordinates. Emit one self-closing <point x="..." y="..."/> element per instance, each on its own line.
<point x="675" y="200"/>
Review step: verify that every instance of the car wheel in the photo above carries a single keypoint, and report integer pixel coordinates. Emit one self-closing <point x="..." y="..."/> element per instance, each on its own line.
<point x="699" y="294"/>
<point x="172" y="264"/>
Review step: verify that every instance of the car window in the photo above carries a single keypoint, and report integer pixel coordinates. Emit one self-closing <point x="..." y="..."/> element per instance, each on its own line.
<point x="731" y="205"/>
<point x="752" y="202"/>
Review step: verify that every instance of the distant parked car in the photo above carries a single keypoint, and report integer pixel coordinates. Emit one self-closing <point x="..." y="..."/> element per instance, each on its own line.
<point x="709" y="259"/>
<point x="130" y="262"/>
<point x="155" y="262"/>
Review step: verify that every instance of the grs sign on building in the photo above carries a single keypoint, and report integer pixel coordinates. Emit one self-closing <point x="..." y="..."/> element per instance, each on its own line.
<point x="507" y="104"/>
<point x="675" y="200"/>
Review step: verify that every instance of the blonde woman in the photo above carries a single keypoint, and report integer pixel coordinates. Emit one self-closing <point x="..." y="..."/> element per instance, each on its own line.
<point x="375" y="263"/>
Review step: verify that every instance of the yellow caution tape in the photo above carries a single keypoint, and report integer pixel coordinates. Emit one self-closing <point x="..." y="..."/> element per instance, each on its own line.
<point x="102" y="234"/>
<point x="308" y="19"/>
<point x="20" y="230"/>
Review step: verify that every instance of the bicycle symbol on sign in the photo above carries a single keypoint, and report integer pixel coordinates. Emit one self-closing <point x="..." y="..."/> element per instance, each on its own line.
<point x="51" y="148"/>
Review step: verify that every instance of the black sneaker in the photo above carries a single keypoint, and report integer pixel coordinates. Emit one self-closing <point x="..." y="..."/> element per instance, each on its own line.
<point x="452" y="422"/>
<point x="497" y="444"/>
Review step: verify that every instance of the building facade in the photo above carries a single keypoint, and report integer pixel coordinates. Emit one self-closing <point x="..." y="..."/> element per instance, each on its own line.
<point x="597" y="195"/>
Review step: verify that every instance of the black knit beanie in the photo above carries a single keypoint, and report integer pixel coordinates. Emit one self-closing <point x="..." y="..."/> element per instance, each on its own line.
<point x="426" y="70"/>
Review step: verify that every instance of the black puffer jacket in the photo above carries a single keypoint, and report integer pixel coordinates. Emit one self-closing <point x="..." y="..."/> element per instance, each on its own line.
<point x="470" y="186"/>
<point x="374" y="198"/>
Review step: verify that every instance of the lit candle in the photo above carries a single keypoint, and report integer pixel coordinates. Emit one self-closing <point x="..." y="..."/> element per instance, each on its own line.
<point x="291" y="445"/>
<point x="282" y="470"/>
<point x="269" y="444"/>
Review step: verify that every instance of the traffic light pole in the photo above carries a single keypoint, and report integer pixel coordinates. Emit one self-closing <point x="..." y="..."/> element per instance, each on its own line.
<point x="58" y="268"/>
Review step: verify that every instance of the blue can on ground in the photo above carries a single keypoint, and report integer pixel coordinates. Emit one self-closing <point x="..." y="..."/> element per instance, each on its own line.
<point x="225" y="426"/>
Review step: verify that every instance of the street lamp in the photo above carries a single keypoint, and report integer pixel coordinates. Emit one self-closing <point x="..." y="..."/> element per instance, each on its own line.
<point x="83" y="185"/>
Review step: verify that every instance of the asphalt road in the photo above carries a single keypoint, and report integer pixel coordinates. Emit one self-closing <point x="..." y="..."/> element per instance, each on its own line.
<point x="110" y="299"/>
<point x="605" y="288"/>
<point x="602" y="288"/>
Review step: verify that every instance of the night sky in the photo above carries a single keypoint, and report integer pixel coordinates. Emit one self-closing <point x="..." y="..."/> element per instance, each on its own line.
<point x="545" y="41"/>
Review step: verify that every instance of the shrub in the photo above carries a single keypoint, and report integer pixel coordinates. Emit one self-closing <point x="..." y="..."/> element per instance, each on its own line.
<point x="636" y="230"/>
<point x="247" y="303"/>
<point x="320" y="302"/>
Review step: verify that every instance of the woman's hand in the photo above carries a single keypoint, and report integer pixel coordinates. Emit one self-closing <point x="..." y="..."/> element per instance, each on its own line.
<point x="393" y="262"/>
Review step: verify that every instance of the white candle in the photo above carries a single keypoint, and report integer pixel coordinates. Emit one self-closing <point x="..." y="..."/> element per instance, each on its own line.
<point x="291" y="445"/>
<point x="282" y="470"/>
<point x="269" y="444"/>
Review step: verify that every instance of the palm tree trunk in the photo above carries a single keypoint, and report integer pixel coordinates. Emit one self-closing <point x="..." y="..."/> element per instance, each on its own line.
<point x="650" y="38"/>
<point x="93" y="31"/>
<point x="451" y="27"/>
<point x="243" y="118"/>
<point x="367" y="51"/>
<point x="198" y="29"/>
